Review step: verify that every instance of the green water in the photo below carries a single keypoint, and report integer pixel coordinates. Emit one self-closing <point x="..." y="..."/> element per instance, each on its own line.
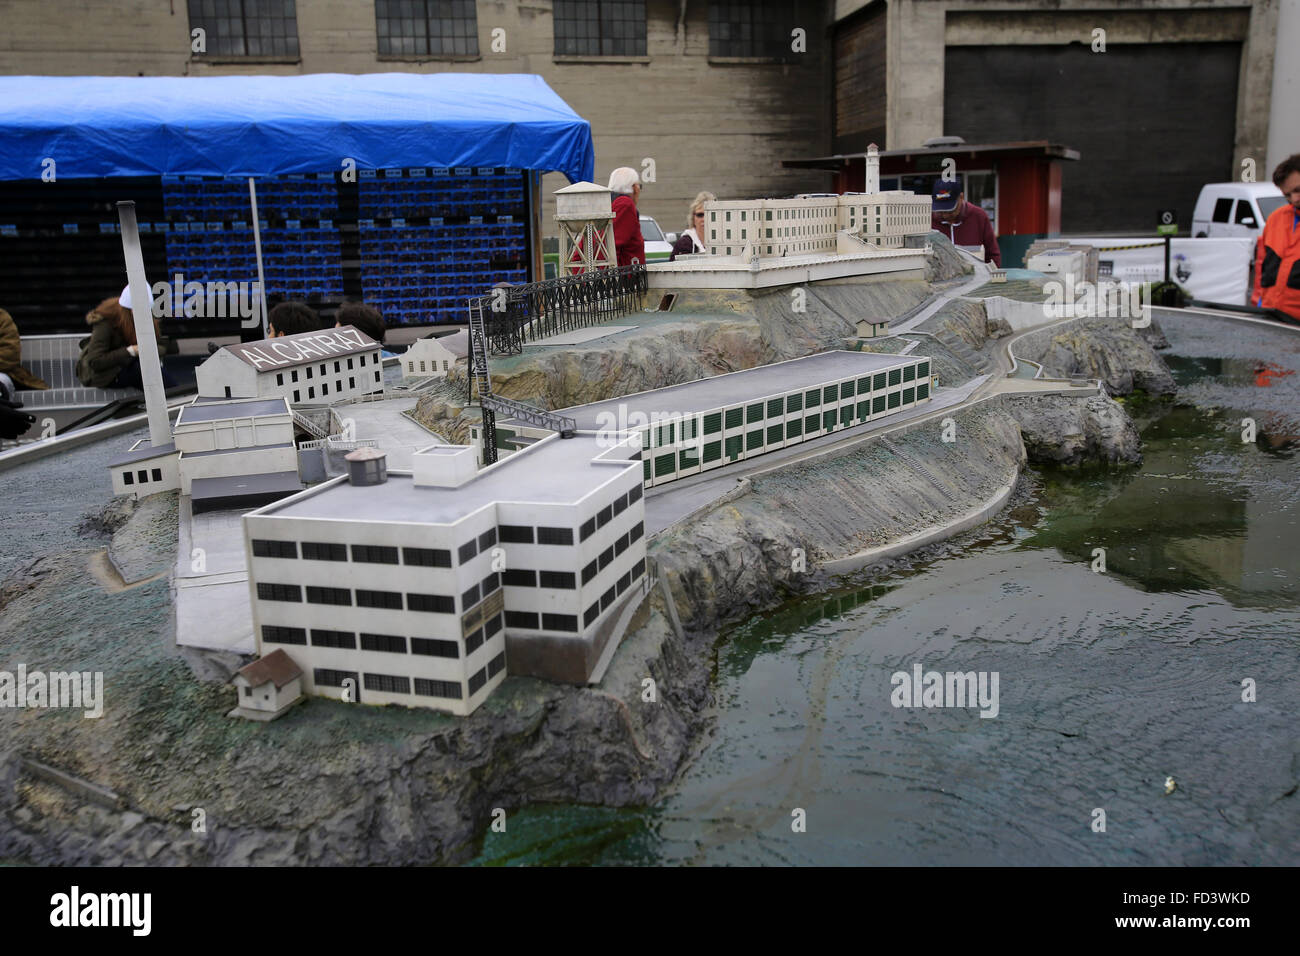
<point x="1112" y="681"/>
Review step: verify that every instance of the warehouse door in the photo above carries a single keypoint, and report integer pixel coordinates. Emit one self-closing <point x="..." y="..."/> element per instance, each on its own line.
<point x="1152" y="122"/>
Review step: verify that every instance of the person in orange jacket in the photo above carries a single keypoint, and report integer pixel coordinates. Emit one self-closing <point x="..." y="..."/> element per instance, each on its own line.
<point x="1277" y="258"/>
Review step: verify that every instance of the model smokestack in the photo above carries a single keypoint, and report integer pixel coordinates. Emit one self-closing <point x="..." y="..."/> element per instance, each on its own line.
<point x="155" y="400"/>
<point x="367" y="466"/>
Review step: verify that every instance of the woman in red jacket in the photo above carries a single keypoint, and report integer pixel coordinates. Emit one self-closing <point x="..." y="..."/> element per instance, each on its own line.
<point x="625" y="184"/>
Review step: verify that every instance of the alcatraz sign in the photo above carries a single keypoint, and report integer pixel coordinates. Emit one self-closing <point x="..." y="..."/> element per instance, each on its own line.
<point x="303" y="348"/>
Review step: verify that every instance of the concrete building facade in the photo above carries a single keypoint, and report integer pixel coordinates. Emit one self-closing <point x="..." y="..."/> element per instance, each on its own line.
<point x="418" y="589"/>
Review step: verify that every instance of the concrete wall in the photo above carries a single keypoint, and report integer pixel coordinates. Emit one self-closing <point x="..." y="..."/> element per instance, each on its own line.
<point x="720" y="126"/>
<point x="919" y="31"/>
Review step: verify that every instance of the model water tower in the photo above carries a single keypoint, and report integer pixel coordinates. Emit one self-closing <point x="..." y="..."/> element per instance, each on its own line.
<point x="586" y="220"/>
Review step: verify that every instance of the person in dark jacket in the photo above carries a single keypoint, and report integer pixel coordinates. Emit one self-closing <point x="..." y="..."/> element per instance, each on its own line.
<point x="962" y="222"/>
<point x="110" y="355"/>
<point x="691" y="241"/>
<point x="625" y="184"/>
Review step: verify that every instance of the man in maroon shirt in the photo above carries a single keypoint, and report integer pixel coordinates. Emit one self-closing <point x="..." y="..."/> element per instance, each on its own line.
<point x="964" y="223"/>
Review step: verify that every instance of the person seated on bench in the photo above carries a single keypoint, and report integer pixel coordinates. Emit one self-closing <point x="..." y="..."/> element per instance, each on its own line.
<point x="110" y="355"/>
<point x="12" y="374"/>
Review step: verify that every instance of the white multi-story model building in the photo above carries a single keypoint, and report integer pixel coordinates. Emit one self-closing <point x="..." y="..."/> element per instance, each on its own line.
<point x="308" y="368"/>
<point x="706" y="424"/>
<point x="417" y="587"/>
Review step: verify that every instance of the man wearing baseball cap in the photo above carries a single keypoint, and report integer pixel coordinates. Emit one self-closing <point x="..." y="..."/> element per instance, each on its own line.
<point x="964" y="223"/>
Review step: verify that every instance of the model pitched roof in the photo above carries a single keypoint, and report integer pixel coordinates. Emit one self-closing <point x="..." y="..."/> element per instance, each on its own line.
<point x="303" y="348"/>
<point x="276" y="666"/>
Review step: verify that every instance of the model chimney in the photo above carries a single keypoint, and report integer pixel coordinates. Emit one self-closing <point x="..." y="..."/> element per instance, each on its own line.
<point x="367" y="466"/>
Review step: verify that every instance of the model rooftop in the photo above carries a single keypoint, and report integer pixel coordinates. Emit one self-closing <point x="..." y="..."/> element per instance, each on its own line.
<point x="749" y="385"/>
<point x="216" y="410"/>
<point x="554" y="471"/>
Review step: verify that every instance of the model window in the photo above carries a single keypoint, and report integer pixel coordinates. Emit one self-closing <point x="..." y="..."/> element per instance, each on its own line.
<point x="909" y="373"/>
<point x="1223" y="210"/>
<point x="812" y="398"/>
<point x="519" y="578"/>
<point x="388" y="683"/>
<point x="352" y="382"/>
<point x="735" y="417"/>
<point x="605" y="514"/>
<point x="477" y="681"/>
<point x="516" y="534"/>
<point x="877" y="404"/>
<point x="922" y="391"/>
<point x="638" y="529"/>
<point x="433" y="647"/>
<point x="317" y="595"/>
<point x="376" y="376"/>
<point x="470" y="596"/>
<point x="620" y="545"/>
<point x="864" y="384"/>
<point x="794" y="428"/>
<point x="521" y="619"/>
<point x="274" y="549"/>
<point x="554" y="535"/>
<point x="588" y="529"/>
<point x="589" y="572"/>
<point x="895" y="376"/>
<point x="128" y="478"/>
<point x="493" y="625"/>
<point x="142" y="476"/>
<point x="274" y="634"/>
<point x="325" y="388"/>
<point x="362" y="360"/>
<point x="624" y="581"/>
<point x="754" y="413"/>
<point x="775" y="407"/>
<point x="923" y="370"/>
<point x="894" y="399"/>
<point x="246" y="27"/>
<point x="607" y="598"/>
<point x="909" y="396"/>
<point x="864" y="408"/>
<point x="387" y="643"/>
<point x="635" y="492"/>
<point x="437" y="688"/>
<point x="311" y="390"/>
<point x="828" y="420"/>
<point x="467" y="551"/>
<point x="349" y="366"/>
<point x="605" y="557"/>
<point x="296" y="396"/>
<point x="437" y="603"/>
<point x="279" y="378"/>
<point x="474" y="641"/>
<point x="444" y="365"/>
<point x="325" y="638"/>
<point x="620" y="503"/>
<point x="713" y="423"/>
<point x="309" y="371"/>
<point x="591" y="614"/>
<point x="754" y="439"/>
<point x="374" y="554"/>
<point x="324" y="551"/>
<point x="665" y="465"/>
<point x="487" y="539"/>
<point x="830" y="393"/>
<point x="563" y="580"/>
<point x="279" y="592"/>
<point x="774" y="434"/>
<point x="490" y="583"/>
<point x="324" y="677"/>
<point x="560" y="622"/>
<point x="846" y="415"/>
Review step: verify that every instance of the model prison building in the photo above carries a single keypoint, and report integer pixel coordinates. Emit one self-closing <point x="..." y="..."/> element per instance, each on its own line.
<point x="416" y="587"/>
<point x="311" y="367"/>
<point x="810" y="225"/>
<point x="698" y="426"/>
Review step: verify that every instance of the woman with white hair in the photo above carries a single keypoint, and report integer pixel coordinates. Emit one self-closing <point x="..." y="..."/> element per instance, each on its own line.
<point x="625" y="184"/>
<point x="691" y="241"/>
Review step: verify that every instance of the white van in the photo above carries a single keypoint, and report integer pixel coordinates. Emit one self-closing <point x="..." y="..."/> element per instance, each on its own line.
<point x="1234" y="209"/>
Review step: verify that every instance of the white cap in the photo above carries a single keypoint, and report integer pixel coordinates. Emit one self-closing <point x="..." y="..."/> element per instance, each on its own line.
<point x="124" y="300"/>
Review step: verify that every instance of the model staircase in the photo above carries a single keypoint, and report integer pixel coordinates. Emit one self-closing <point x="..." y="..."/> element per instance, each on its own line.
<point x="309" y="426"/>
<point x="916" y="466"/>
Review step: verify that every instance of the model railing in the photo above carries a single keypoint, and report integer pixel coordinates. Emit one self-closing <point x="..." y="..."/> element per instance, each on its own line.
<point x="516" y="315"/>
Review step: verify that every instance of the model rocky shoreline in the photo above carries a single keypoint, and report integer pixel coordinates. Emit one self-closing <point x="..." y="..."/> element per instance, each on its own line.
<point x="171" y="779"/>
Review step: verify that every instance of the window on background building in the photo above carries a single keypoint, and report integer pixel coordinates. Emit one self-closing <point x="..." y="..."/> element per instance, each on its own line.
<point x="599" y="27"/>
<point x="246" y="27"/>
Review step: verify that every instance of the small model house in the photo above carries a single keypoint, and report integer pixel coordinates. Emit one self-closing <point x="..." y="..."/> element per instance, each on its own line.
<point x="311" y="367"/>
<point x="417" y="587"/>
<point x="871" y="328"/>
<point x="267" y="687"/>
<point x="145" y="470"/>
<point x="432" y="357"/>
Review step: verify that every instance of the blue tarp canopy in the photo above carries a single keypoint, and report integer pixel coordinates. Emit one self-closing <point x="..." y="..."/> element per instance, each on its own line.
<point x="272" y="125"/>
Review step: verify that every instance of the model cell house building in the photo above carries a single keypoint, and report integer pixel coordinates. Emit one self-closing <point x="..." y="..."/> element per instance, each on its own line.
<point x="308" y="368"/>
<point x="425" y="588"/>
<point x="706" y="424"/>
<point x="432" y="357"/>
